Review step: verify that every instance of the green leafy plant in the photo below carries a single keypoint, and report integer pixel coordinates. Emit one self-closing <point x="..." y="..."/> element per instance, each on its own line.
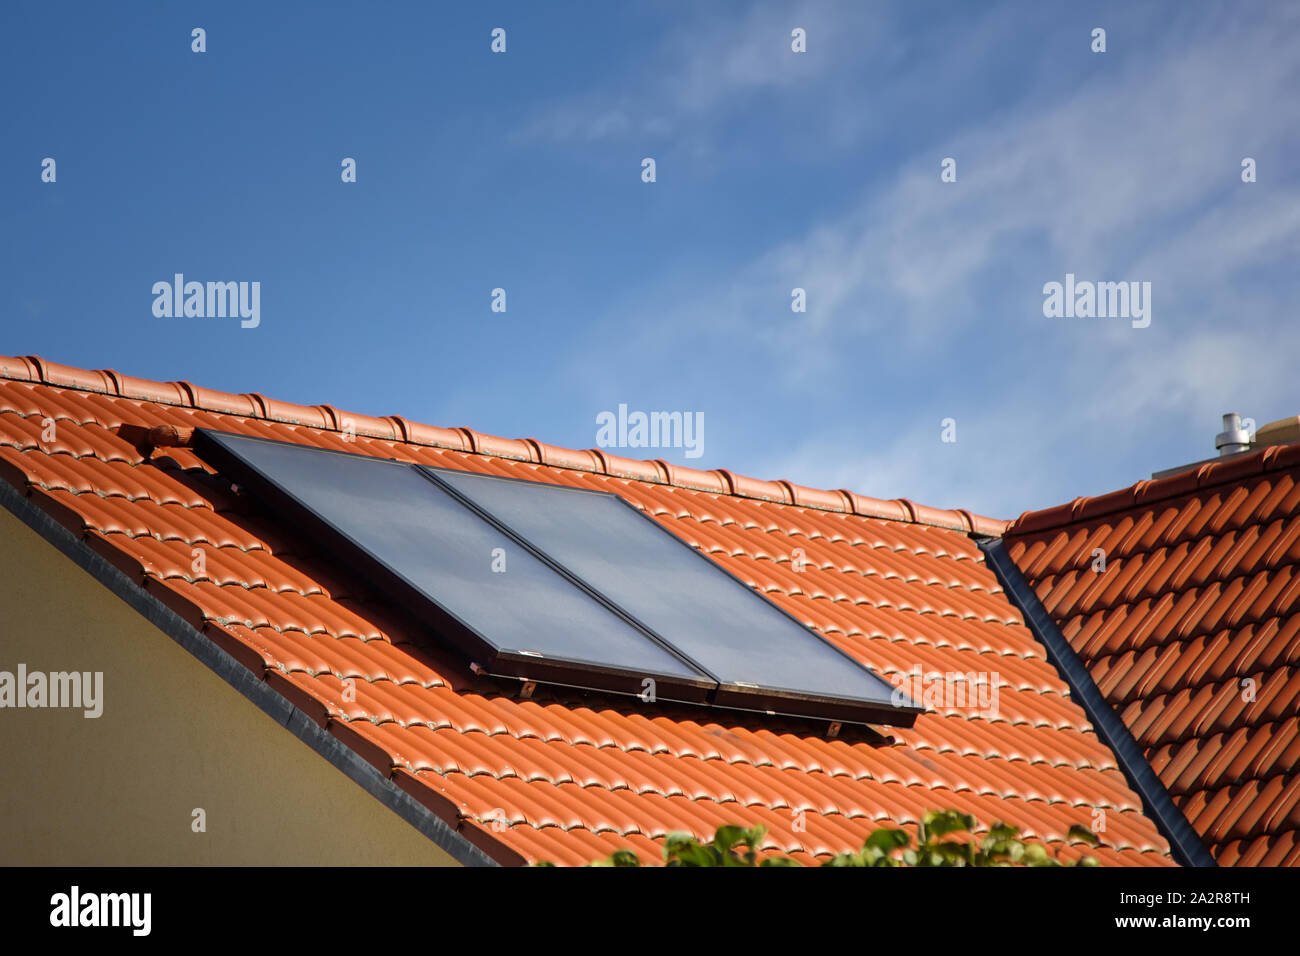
<point x="935" y="846"/>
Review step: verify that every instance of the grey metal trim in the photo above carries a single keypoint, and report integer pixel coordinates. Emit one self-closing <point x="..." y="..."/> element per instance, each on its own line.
<point x="239" y="677"/>
<point x="1184" y="841"/>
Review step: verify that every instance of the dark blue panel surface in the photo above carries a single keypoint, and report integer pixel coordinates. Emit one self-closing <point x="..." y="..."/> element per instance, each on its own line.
<point x="763" y="657"/>
<point x="403" y="532"/>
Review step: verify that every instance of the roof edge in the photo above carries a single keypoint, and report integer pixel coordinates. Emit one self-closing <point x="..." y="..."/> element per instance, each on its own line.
<point x="257" y="691"/>
<point x="1209" y="475"/>
<point x="1185" y="843"/>
<point x="33" y="368"/>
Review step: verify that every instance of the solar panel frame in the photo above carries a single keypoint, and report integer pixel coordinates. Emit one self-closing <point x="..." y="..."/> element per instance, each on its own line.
<point x="731" y="694"/>
<point x="214" y="447"/>
<point x="487" y="655"/>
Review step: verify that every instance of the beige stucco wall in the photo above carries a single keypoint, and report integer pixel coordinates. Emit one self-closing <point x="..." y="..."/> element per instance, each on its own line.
<point x="120" y="789"/>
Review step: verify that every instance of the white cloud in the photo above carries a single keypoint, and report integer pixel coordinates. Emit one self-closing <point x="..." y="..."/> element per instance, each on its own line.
<point x="1134" y="174"/>
<point x="1120" y="164"/>
<point x="712" y="63"/>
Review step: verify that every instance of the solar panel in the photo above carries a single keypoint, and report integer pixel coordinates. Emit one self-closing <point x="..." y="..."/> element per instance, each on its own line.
<point x="764" y="658"/>
<point x="477" y="584"/>
<point x="549" y="583"/>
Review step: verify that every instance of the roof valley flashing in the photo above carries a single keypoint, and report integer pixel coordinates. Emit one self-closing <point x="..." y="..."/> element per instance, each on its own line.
<point x="1183" y="840"/>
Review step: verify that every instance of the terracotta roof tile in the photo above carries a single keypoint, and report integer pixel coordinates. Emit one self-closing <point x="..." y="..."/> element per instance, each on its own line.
<point x="567" y="777"/>
<point x="1198" y="604"/>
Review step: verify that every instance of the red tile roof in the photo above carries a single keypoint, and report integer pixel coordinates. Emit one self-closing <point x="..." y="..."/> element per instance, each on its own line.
<point x="570" y="778"/>
<point x="1200" y="594"/>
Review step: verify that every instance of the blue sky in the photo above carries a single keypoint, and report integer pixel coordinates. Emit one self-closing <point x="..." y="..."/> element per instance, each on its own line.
<point x="775" y="170"/>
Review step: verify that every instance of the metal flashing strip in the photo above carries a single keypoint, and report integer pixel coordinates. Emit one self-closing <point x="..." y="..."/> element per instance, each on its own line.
<point x="1184" y="841"/>
<point x="243" y="680"/>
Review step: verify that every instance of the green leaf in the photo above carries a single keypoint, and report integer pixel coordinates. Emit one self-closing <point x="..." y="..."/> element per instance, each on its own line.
<point x="682" y="849"/>
<point x="1001" y="831"/>
<point x="736" y="845"/>
<point x="886" y="840"/>
<point x="727" y="838"/>
<point x="942" y="822"/>
<point x="1036" y="855"/>
<point x="624" y="858"/>
<point x="1083" y="835"/>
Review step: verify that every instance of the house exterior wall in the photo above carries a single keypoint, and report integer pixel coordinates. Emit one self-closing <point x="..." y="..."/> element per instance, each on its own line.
<point x="121" y="788"/>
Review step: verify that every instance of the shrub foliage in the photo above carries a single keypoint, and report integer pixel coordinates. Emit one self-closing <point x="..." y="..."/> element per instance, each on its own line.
<point x="943" y="838"/>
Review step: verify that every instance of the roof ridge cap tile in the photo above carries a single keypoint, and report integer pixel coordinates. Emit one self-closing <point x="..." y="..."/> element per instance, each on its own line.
<point x="432" y="436"/>
<point x="748" y="487"/>
<point x="189" y="391"/>
<point x="819" y="499"/>
<point x="185" y="394"/>
<point x="656" y="471"/>
<point x="1211" y="474"/>
<point x="557" y="456"/>
<point x="371" y="426"/>
<point x="259" y="405"/>
<point x="333" y="416"/>
<point x="227" y="403"/>
<point x="517" y="449"/>
<point x="869" y="507"/>
<point x="292" y="413"/>
<point x="19" y="369"/>
<point x="70" y="376"/>
<point x="468" y="435"/>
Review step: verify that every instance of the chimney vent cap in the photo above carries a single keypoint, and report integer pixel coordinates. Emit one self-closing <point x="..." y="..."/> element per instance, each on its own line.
<point x="1233" y="439"/>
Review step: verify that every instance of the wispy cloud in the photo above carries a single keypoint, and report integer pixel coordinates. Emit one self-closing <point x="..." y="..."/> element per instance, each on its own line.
<point x="711" y="63"/>
<point x="1109" y="180"/>
<point x="1133" y="174"/>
